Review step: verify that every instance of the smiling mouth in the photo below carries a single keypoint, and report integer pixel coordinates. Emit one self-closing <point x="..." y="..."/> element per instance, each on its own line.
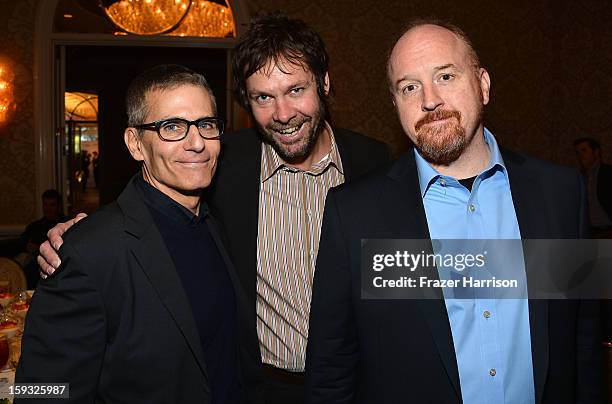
<point x="193" y="163"/>
<point x="289" y="132"/>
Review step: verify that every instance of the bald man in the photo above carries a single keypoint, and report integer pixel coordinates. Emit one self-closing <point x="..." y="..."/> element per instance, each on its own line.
<point x="455" y="184"/>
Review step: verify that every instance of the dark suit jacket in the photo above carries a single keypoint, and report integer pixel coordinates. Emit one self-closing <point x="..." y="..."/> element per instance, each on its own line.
<point x="234" y="200"/>
<point x="390" y="351"/>
<point x="114" y="320"/>
<point x="604" y="188"/>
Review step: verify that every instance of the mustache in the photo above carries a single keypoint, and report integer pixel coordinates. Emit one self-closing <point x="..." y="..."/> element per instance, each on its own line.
<point x="436" y="116"/>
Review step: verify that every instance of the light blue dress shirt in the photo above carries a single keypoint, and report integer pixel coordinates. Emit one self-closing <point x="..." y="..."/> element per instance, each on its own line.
<point x="491" y="336"/>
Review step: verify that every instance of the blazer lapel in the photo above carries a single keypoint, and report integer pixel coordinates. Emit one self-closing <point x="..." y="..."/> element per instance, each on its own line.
<point x="404" y="214"/>
<point x="532" y="224"/>
<point x="346" y="156"/>
<point x="151" y="254"/>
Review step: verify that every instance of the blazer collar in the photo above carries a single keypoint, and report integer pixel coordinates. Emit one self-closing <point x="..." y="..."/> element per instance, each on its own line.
<point x="151" y="254"/>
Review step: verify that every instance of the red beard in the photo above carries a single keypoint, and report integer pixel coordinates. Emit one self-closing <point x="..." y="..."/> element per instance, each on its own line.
<point x="440" y="144"/>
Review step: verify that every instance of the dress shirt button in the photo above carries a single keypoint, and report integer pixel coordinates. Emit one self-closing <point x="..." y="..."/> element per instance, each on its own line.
<point x="471" y="207"/>
<point x="442" y="182"/>
<point x="492" y="372"/>
<point x="309" y="212"/>
<point x="486" y="314"/>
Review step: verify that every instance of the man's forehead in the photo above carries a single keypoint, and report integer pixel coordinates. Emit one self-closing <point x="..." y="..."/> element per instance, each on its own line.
<point x="429" y="44"/>
<point x="166" y="95"/>
<point x="285" y="66"/>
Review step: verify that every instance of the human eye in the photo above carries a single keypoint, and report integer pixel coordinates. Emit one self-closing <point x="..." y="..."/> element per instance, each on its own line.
<point x="262" y="98"/>
<point x="207" y="124"/>
<point x="172" y="126"/>
<point x="445" y="77"/>
<point x="296" y="90"/>
<point x="409" y="88"/>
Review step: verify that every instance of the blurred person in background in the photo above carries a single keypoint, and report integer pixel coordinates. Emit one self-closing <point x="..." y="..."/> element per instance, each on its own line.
<point x="598" y="177"/>
<point x="36" y="233"/>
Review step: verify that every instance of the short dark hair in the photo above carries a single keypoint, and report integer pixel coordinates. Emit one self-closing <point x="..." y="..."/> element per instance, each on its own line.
<point x="161" y="77"/>
<point x="593" y="144"/>
<point x="420" y="21"/>
<point x="52" y="194"/>
<point x="278" y="38"/>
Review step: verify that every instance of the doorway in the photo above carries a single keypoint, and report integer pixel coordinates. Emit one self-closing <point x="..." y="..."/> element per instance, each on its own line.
<point x="81" y="123"/>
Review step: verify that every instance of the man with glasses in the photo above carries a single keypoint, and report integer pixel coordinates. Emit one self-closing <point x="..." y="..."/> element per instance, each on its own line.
<point x="143" y="307"/>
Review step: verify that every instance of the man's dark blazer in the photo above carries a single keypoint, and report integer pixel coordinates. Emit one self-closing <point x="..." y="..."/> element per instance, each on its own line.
<point x="114" y="320"/>
<point x="604" y="188"/>
<point x="390" y="351"/>
<point x="234" y="200"/>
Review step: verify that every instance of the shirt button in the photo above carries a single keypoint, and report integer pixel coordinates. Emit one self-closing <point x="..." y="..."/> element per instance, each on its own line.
<point x="442" y="182"/>
<point x="486" y="314"/>
<point x="471" y="207"/>
<point x="493" y="372"/>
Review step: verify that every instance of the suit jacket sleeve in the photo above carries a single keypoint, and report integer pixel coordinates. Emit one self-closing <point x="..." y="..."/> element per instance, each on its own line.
<point x="332" y="350"/>
<point x="604" y="188"/>
<point x="590" y="383"/>
<point x="65" y="332"/>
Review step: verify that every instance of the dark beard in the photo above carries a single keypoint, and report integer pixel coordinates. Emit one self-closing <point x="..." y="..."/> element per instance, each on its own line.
<point x="441" y="145"/>
<point x="303" y="152"/>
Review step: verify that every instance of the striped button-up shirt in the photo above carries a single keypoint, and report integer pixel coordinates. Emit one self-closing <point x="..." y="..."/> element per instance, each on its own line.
<point x="291" y="203"/>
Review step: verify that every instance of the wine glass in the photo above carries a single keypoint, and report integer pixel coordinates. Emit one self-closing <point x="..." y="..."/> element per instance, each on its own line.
<point x="20" y="305"/>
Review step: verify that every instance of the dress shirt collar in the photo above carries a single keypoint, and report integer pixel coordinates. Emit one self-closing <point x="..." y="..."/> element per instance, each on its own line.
<point x="271" y="162"/>
<point x="428" y="174"/>
<point x="167" y="206"/>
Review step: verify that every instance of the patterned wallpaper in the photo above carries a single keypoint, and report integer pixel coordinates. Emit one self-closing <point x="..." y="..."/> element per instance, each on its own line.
<point x="17" y="175"/>
<point x="550" y="64"/>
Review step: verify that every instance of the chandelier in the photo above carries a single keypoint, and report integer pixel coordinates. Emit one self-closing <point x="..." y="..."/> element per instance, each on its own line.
<point x="171" y="17"/>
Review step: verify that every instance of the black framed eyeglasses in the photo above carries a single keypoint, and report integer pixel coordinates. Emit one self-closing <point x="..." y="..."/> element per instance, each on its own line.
<point x="176" y="129"/>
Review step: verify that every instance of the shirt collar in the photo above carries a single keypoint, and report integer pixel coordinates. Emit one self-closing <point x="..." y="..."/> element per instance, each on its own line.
<point x="271" y="162"/>
<point x="428" y="174"/>
<point x="163" y="204"/>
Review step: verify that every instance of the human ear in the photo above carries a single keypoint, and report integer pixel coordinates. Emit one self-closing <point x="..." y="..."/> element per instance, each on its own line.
<point x="134" y="143"/>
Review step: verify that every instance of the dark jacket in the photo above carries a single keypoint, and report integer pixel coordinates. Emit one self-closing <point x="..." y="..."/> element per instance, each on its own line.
<point x="114" y="320"/>
<point x="604" y="188"/>
<point x="388" y="351"/>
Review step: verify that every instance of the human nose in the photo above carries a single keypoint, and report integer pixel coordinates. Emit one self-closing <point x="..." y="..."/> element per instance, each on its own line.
<point x="193" y="140"/>
<point x="284" y="110"/>
<point x="431" y="98"/>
